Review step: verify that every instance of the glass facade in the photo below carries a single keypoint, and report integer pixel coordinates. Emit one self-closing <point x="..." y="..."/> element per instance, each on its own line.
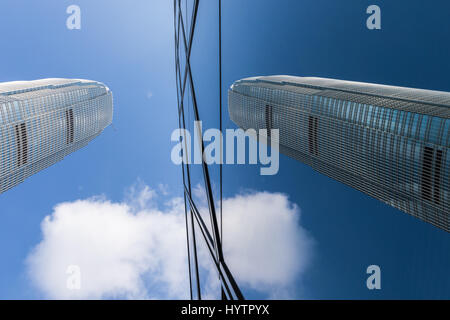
<point x="391" y="143"/>
<point x="42" y="121"/>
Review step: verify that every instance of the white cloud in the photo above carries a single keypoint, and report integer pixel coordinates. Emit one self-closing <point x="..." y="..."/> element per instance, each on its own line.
<point x="133" y="249"/>
<point x="264" y="243"/>
<point x="139" y="196"/>
<point x="163" y="189"/>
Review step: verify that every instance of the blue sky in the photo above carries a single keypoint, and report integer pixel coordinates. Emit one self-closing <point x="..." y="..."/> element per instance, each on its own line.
<point x="129" y="47"/>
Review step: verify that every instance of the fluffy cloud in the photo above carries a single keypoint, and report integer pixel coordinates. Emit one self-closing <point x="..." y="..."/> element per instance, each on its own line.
<point x="135" y="249"/>
<point x="264" y="242"/>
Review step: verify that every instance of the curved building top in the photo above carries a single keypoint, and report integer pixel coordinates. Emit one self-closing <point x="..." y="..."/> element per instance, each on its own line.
<point x="319" y="85"/>
<point x="17" y="87"/>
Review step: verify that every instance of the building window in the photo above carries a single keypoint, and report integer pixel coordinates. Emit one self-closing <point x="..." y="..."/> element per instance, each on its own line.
<point x="437" y="177"/>
<point x="21" y="144"/>
<point x="69" y="122"/>
<point x="269" y="119"/>
<point x="431" y="179"/>
<point x="312" y="135"/>
<point x="426" y="172"/>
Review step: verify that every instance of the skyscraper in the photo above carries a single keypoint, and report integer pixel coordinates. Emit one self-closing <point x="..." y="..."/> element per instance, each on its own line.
<point x="391" y="143"/>
<point x="42" y="121"/>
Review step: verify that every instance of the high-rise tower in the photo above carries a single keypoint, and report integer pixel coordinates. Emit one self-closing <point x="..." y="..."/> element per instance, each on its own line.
<point x="391" y="143"/>
<point x="42" y="121"/>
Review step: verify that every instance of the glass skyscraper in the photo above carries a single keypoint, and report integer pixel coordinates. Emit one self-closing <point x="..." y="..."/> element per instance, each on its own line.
<point x="391" y="143"/>
<point x="42" y="121"/>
